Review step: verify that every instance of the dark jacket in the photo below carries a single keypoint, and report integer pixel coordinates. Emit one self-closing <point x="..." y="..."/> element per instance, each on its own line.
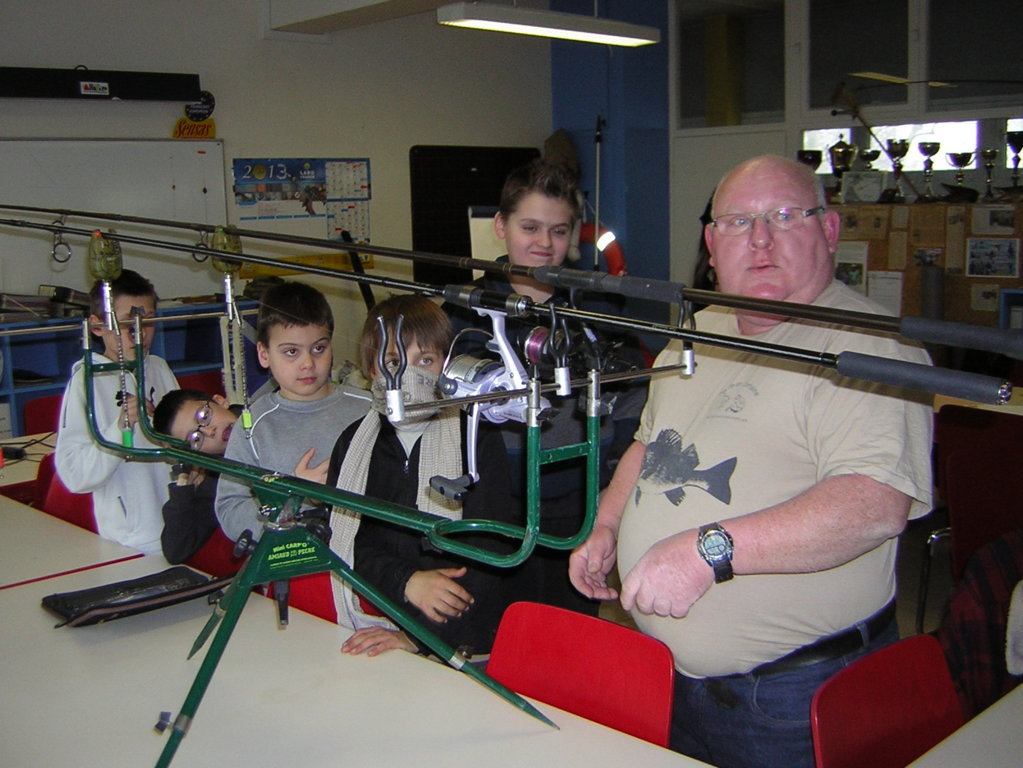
<point x="188" y="518"/>
<point x="387" y="555"/>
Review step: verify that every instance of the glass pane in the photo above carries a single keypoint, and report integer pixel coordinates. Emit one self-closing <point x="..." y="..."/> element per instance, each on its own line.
<point x="848" y="36"/>
<point x="731" y="63"/>
<point x="975" y="48"/>
<point x="1012" y="157"/>
<point x="952" y="137"/>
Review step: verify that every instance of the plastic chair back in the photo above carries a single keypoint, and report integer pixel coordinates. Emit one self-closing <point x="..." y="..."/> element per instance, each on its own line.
<point x="594" y="668"/>
<point x="216" y="556"/>
<point x="984" y="485"/>
<point x="886" y="709"/>
<point x="210" y="382"/>
<point x="73" y="507"/>
<point x="41" y="414"/>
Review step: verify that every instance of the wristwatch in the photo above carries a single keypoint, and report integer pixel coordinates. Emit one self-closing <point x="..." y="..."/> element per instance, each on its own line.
<point x="715" y="546"/>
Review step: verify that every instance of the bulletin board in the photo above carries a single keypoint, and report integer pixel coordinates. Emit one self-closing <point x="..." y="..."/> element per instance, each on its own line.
<point x="180" y="180"/>
<point x="974" y="249"/>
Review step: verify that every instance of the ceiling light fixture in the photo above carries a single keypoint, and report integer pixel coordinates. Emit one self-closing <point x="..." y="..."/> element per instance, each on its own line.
<point x="540" y="23"/>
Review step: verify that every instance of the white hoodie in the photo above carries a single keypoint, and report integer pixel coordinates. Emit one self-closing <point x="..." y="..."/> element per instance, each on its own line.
<point x="127" y="496"/>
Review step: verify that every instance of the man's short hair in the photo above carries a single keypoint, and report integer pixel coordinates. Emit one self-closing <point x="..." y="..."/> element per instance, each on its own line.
<point x="128" y="283"/>
<point x="292" y="303"/>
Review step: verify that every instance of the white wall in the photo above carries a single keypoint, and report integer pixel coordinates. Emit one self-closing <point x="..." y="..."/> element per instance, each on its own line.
<point x="371" y="92"/>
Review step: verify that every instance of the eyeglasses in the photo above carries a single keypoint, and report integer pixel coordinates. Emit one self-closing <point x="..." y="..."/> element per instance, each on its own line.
<point x="780" y="219"/>
<point x="203" y="418"/>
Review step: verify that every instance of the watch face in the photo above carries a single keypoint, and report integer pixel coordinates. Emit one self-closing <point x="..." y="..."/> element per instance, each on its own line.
<point x="715" y="545"/>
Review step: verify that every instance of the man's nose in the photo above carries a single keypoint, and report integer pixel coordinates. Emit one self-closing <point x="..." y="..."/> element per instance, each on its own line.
<point x="760" y="235"/>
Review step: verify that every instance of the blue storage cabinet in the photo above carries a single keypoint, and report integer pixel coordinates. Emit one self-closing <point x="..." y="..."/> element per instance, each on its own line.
<point x="47" y="350"/>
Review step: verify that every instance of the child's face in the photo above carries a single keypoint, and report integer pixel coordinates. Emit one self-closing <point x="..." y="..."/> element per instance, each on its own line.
<point x="209" y="418"/>
<point x="538" y="232"/>
<point x="123" y="306"/>
<point x="299" y="357"/>
<point x="425" y="359"/>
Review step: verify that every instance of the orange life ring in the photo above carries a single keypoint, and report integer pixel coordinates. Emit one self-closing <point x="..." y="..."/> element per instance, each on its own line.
<point x="613" y="256"/>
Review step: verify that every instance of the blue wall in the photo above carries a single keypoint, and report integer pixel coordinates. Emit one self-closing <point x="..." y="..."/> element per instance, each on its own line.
<point x="628" y="88"/>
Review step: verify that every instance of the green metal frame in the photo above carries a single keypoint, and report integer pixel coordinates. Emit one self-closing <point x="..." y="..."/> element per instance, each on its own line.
<point x="288" y="549"/>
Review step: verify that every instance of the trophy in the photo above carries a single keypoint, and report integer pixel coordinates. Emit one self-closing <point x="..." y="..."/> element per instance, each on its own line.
<point x="960" y="161"/>
<point x="810" y="157"/>
<point x="928" y="149"/>
<point x="1013" y="194"/>
<point x="897" y="149"/>
<point x="989" y="155"/>
<point x="868" y="156"/>
<point x="1015" y="141"/>
<point x="841" y="155"/>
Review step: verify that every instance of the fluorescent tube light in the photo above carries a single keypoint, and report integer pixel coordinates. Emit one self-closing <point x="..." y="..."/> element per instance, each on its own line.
<point x="540" y="23"/>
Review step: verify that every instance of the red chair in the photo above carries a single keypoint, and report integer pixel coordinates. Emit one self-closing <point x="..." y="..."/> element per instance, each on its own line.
<point x="886" y="709"/>
<point x="73" y="507"/>
<point x="593" y="668"/>
<point x="210" y="382"/>
<point x="984" y="487"/>
<point x="41" y="414"/>
<point x="216" y="556"/>
<point x="44" y="476"/>
<point x="968" y="440"/>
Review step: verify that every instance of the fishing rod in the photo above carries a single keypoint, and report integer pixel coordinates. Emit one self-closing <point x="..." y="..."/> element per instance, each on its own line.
<point x="926" y="330"/>
<point x="930" y="379"/>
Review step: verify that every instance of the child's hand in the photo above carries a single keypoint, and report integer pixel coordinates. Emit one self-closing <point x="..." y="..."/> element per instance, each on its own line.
<point x="317" y="474"/>
<point x="375" y="640"/>
<point x="437" y="594"/>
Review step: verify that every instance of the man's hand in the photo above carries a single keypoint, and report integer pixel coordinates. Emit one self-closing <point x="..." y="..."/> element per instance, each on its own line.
<point x="317" y="474"/>
<point x="668" y="579"/>
<point x="375" y="640"/>
<point x="437" y="594"/>
<point x="592" y="561"/>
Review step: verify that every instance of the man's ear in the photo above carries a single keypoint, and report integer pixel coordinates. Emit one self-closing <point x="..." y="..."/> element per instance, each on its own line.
<point x="708" y="238"/>
<point x="261" y="354"/>
<point x="220" y="400"/>
<point x="832" y="225"/>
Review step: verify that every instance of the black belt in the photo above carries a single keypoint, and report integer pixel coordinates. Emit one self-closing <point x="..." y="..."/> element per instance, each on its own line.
<point x="830" y="647"/>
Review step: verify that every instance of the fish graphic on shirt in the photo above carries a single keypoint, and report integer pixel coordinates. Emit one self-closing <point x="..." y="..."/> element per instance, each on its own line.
<point x="670" y="469"/>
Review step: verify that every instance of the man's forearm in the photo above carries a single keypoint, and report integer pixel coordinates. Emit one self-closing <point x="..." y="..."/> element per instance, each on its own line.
<point x="616" y="495"/>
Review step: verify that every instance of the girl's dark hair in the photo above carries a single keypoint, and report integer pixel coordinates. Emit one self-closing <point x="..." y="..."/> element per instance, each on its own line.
<point x="538" y="176"/>
<point x="425" y="323"/>
<point x="292" y="303"/>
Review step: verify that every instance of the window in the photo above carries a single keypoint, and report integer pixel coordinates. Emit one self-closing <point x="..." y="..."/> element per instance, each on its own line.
<point x="731" y="63"/>
<point x="952" y="137"/>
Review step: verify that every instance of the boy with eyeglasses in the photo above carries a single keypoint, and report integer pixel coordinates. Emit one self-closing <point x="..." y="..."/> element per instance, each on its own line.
<point x="204" y="422"/>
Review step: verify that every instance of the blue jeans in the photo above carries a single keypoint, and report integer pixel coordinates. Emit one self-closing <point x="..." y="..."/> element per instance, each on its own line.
<point x="744" y="721"/>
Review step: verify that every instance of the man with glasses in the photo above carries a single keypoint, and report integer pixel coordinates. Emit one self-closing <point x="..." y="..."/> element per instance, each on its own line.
<point x="754" y="519"/>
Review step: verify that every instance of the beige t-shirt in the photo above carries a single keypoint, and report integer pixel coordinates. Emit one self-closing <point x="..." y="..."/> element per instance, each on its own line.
<point x="748" y="431"/>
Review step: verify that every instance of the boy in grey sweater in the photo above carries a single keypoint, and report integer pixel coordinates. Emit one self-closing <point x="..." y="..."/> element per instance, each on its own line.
<point x="295" y="427"/>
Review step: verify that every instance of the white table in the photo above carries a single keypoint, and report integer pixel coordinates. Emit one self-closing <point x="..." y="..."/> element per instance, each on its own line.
<point x="35" y="545"/>
<point x="993" y="739"/>
<point x="16" y="471"/>
<point x="91" y="695"/>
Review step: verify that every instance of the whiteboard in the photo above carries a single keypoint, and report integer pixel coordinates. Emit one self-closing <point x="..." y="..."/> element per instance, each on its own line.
<point x="154" y="178"/>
